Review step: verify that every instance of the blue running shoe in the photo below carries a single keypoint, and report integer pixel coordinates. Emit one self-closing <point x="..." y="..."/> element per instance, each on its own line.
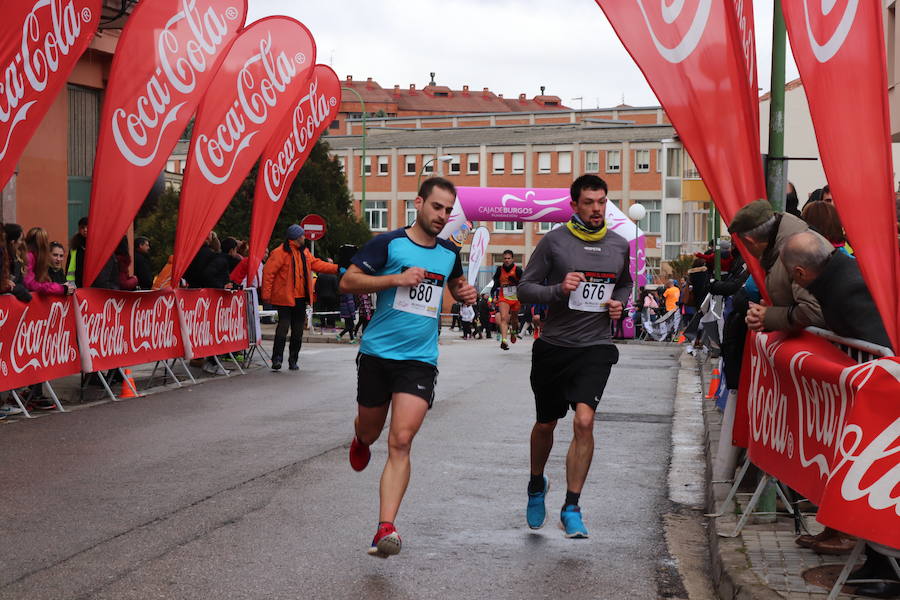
<point x="570" y="521"/>
<point x="536" y="513"/>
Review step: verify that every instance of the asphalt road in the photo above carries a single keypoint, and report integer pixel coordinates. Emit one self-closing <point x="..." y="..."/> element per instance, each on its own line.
<point x="240" y="488"/>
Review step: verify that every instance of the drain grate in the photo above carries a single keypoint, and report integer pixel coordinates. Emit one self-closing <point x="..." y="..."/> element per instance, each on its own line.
<point x="632" y="417"/>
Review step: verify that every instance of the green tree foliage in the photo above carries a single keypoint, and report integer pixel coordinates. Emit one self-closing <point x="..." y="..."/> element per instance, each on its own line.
<point x="680" y="266"/>
<point x="320" y="188"/>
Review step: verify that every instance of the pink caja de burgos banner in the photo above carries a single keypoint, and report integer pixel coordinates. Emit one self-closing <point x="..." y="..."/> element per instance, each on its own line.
<point x="119" y="329"/>
<point x="212" y="321"/>
<point x="539" y="205"/>
<point x="38" y="340"/>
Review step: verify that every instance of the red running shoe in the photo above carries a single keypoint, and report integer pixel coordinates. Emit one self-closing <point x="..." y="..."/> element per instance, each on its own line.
<point x="359" y="454"/>
<point x="386" y="542"/>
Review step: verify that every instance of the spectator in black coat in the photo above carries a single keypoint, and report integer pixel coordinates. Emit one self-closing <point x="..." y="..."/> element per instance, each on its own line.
<point x="209" y="269"/>
<point x="837" y="283"/>
<point x="142" y="269"/>
<point x="326" y="292"/>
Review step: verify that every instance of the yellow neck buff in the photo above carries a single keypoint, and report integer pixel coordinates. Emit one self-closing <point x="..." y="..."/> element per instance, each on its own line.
<point x="585" y="233"/>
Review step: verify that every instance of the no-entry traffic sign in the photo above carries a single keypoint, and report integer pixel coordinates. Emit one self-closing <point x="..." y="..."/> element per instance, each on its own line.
<point x="314" y="227"/>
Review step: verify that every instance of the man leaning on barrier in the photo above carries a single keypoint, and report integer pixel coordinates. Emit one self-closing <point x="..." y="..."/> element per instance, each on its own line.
<point x="764" y="233"/>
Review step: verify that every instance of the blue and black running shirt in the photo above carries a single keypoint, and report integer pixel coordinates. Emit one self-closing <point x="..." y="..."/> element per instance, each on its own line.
<point x="405" y="324"/>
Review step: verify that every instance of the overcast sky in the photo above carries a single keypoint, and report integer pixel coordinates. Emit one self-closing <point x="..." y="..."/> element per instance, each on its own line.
<point x="510" y="47"/>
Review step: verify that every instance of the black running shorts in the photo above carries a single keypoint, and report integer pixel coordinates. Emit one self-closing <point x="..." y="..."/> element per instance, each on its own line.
<point x="379" y="378"/>
<point x="563" y="377"/>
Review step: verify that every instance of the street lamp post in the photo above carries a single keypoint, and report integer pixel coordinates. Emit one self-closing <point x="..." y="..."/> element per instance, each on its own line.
<point x="636" y="212"/>
<point x="442" y="158"/>
<point x="362" y="202"/>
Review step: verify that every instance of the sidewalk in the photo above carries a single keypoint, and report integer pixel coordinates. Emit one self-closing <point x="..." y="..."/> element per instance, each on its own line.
<point x="763" y="562"/>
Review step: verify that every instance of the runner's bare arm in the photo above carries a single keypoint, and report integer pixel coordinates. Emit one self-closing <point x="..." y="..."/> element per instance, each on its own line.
<point x="462" y="291"/>
<point x="355" y="281"/>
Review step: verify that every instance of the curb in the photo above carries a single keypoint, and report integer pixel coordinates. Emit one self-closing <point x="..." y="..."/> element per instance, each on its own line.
<point x="732" y="577"/>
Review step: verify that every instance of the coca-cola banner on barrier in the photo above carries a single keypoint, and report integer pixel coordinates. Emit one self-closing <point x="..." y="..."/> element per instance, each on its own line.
<point x="286" y="153"/>
<point x="40" y="43"/>
<point x="213" y="321"/>
<point x="699" y="57"/>
<point x="263" y="75"/>
<point x="119" y="329"/>
<point x="166" y="58"/>
<point x="38" y="341"/>
<point x="840" y="54"/>
<point x="827" y="427"/>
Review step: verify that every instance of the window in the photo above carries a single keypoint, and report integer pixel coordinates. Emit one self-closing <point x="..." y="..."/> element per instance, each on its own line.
<point x="652" y="268"/>
<point x="673" y="162"/>
<point x="383" y="165"/>
<point x="508" y="227"/>
<point x="545" y="227"/>
<point x="641" y="161"/>
<point x="565" y="162"/>
<point x="336" y="124"/>
<point x="473" y="161"/>
<point x="651" y="221"/>
<point x="613" y="161"/>
<point x="410" y="212"/>
<point x="518" y="162"/>
<point x="659" y="161"/>
<point x="673" y="237"/>
<point x="170" y="166"/>
<point x="455" y="166"/>
<point x="690" y="170"/>
<point x="591" y="161"/>
<point x="376" y="215"/>
<point x="498" y="163"/>
<point x="367" y="166"/>
<point x="498" y="259"/>
<point x="427" y="164"/>
<point x="410" y="164"/>
<point x="543" y="162"/>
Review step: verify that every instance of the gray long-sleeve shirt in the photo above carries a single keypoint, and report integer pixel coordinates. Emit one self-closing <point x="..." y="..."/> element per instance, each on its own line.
<point x="605" y="262"/>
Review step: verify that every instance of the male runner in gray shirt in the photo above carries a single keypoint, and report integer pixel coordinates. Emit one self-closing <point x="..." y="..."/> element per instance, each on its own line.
<point x="581" y="271"/>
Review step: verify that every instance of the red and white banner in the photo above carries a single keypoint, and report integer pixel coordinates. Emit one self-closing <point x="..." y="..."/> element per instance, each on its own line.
<point x="286" y="153"/>
<point x="827" y="427"/>
<point x="699" y="57"/>
<point x="840" y="54"/>
<point x="40" y="43"/>
<point x="212" y="321"/>
<point x="166" y="58"/>
<point x="38" y="340"/>
<point x="119" y="329"/>
<point x="258" y="84"/>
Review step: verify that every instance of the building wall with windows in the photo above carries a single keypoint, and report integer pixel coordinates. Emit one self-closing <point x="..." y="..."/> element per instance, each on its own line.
<point x="641" y="163"/>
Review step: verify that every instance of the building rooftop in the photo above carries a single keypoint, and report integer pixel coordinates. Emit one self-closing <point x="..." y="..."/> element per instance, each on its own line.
<point x="502" y="136"/>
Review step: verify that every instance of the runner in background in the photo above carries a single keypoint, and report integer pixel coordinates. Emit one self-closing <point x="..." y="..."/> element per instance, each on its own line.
<point x="506" y="281"/>
<point x="581" y="272"/>
<point x="397" y="361"/>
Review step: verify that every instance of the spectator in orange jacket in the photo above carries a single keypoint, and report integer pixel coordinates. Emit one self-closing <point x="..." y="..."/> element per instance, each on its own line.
<point x="288" y="285"/>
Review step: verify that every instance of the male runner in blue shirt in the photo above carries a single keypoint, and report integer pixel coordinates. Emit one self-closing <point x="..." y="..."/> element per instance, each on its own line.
<point x="397" y="362"/>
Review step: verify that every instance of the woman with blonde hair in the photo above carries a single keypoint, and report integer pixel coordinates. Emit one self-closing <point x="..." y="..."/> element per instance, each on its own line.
<point x="37" y="265"/>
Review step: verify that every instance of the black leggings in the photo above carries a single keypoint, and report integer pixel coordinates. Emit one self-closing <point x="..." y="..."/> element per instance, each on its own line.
<point x="291" y="318"/>
<point x="348" y="328"/>
<point x="362" y="324"/>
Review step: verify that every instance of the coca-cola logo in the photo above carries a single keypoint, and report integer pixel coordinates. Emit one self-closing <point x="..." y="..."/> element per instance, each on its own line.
<point x="259" y="85"/>
<point x="309" y="118"/>
<point x="878" y="456"/>
<point x="231" y="319"/>
<point x="43" y="343"/>
<point x="186" y="47"/>
<point x="49" y="34"/>
<point x="153" y="327"/>
<point x="104" y="329"/>
<point x="833" y="43"/>
<point x="197" y="322"/>
<point x="667" y="38"/>
<point x="767" y="403"/>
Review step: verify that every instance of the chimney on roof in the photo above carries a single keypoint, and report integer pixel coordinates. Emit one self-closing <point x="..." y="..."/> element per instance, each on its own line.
<point x="432" y="79"/>
<point x="485" y="93"/>
<point x="500" y="96"/>
<point x="522" y="98"/>
<point x="396" y="90"/>
<point x="466" y="90"/>
<point x="369" y="83"/>
<point x="349" y="77"/>
<point x="412" y="89"/>
<point x="542" y="90"/>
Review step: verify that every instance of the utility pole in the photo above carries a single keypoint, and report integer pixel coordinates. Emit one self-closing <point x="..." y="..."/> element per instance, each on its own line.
<point x="776" y="183"/>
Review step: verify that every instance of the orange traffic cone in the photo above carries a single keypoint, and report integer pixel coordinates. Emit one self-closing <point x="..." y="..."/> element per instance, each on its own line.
<point x="713" y="384"/>
<point x="128" y="386"/>
<point x="681" y="339"/>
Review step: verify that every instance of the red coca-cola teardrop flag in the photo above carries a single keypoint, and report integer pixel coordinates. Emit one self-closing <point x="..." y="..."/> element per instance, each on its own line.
<point x="286" y="153"/>
<point x="841" y="58"/>
<point x="259" y="82"/>
<point x="699" y="58"/>
<point x="40" y="43"/>
<point x="168" y="54"/>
